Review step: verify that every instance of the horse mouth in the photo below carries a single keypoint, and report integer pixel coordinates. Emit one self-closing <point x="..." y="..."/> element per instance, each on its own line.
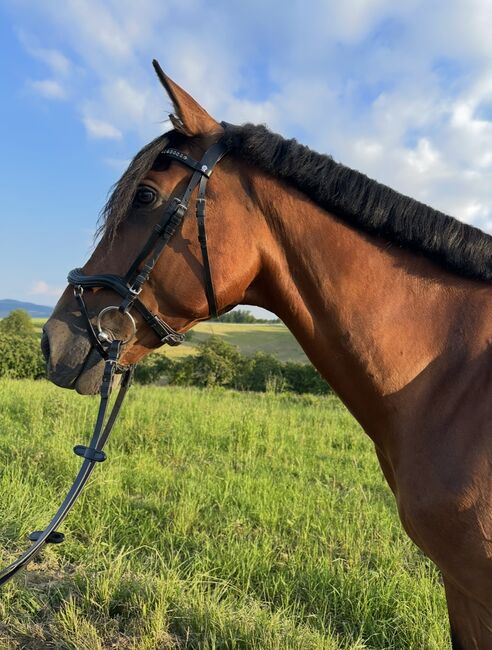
<point x="85" y="378"/>
<point x="88" y="380"/>
<point x="71" y="361"/>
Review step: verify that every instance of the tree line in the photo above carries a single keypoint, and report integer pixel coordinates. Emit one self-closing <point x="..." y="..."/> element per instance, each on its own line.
<point x="216" y="363"/>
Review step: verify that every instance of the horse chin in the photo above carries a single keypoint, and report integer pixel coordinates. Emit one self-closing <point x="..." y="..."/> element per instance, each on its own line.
<point x="85" y="377"/>
<point x="89" y="380"/>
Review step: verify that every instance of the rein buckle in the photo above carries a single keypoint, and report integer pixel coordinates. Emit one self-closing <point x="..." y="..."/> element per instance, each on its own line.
<point x="53" y="538"/>
<point x="89" y="453"/>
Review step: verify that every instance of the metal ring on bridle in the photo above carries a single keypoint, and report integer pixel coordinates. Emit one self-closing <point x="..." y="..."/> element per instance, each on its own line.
<point x="102" y="333"/>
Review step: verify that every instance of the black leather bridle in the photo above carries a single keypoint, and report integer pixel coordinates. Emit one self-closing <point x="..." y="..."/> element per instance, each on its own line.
<point x="129" y="288"/>
<point x="130" y="285"/>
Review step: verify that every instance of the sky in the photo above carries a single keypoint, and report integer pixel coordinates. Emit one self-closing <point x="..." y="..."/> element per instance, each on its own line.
<point x="400" y="91"/>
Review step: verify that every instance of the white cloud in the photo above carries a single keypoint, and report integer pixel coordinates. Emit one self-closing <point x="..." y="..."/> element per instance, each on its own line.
<point x="54" y="87"/>
<point x="58" y="63"/>
<point x="42" y="288"/>
<point x="48" y="88"/>
<point x="398" y="90"/>
<point x="424" y="158"/>
<point x="101" y="129"/>
<point x="119" y="164"/>
<point x="55" y="60"/>
<point x="368" y="149"/>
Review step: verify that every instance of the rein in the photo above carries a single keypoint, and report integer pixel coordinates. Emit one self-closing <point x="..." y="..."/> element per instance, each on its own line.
<point x="129" y="288"/>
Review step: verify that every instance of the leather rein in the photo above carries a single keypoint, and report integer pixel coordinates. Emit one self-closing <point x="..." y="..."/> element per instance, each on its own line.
<point x="129" y="288"/>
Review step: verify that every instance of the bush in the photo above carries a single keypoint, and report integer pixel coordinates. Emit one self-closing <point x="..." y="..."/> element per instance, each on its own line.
<point x="304" y="378"/>
<point x="263" y="373"/>
<point x="152" y="369"/>
<point x="215" y="364"/>
<point x="20" y="357"/>
<point x="220" y="364"/>
<point x="266" y="373"/>
<point x="17" y="323"/>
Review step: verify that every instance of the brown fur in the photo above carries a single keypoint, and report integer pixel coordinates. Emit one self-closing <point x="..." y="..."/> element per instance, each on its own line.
<point x="405" y="343"/>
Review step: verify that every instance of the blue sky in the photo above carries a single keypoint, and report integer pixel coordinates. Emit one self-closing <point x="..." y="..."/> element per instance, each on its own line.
<point x="401" y="91"/>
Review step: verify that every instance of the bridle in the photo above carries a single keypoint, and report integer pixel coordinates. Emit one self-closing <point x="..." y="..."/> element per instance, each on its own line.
<point x="130" y="285"/>
<point x="129" y="288"/>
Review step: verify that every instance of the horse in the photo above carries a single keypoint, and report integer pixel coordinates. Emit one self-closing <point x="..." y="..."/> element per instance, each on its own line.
<point x="390" y="299"/>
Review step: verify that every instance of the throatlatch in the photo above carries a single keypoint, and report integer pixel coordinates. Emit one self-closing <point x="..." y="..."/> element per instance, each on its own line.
<point x="129" y="288"/>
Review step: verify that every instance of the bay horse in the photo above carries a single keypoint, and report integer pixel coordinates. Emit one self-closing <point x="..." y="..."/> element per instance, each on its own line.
<point x="390" y="299"/>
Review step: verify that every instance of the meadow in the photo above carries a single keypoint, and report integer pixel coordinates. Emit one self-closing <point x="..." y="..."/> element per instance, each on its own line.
<point x="220" y="520"/>
<point x="273" y="338"/>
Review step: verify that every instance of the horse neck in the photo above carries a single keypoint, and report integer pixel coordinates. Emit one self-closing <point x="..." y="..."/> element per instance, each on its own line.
<point x="373" y="318"/>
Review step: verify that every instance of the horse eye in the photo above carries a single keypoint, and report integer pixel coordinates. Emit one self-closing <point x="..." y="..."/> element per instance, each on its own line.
<point x="145" y="195"/>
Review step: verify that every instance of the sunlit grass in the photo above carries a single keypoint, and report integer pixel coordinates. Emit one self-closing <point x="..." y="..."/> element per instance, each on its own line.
<point x="220" y="520"/>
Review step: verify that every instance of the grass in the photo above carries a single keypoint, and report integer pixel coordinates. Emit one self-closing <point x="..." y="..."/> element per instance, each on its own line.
<point x="220" y="520"/>
<point x="38" y="324"/>
<point x="273" y="338"/>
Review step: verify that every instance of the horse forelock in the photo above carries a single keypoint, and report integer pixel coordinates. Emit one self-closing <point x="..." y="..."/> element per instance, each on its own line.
<point x="123" y="191"/>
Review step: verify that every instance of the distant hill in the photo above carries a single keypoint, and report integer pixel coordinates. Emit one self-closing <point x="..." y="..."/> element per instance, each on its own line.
<point x="36" y="311"/>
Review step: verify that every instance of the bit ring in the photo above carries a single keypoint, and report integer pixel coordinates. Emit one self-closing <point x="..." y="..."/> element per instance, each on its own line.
<point x="103" y="335"/>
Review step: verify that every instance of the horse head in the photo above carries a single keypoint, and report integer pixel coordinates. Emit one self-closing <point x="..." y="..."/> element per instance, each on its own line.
<point x="177" y="289"/>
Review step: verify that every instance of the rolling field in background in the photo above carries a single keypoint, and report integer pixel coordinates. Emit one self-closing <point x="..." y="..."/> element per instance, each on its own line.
<point x="249" y="337"/>
<point x="220" y="520"/>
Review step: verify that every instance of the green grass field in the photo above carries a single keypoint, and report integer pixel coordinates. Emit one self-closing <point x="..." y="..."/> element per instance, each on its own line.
<point x="38" y="325"/>
<point x="220" y="520"/>
<point x="250" y="338"/>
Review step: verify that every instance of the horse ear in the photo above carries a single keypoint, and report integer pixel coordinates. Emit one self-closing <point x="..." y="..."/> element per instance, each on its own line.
<point x="190" y="118"/>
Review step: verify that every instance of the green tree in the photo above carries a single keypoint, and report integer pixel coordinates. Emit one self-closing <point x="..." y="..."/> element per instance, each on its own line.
<point x="153" y="368"/>
<point x="237" y="316"/>
<point x="304" y="378"/>
<point x="18" y="323"/>
<point x="243" y="316"/>
<point x="20" y="357"/>
<point x="215" y="364"/>
<point x="265" y="372"/>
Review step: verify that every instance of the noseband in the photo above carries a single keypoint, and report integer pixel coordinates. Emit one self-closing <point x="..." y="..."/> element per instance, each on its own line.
<point x="129" y="288"/>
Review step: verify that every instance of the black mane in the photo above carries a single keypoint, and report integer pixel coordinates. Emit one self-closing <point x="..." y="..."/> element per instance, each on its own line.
<point x="365" y="203"/>
<point x="359" y="200"/>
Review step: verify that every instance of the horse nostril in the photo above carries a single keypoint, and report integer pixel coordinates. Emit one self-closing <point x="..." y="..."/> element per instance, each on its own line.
<point x="45" y="347"/>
